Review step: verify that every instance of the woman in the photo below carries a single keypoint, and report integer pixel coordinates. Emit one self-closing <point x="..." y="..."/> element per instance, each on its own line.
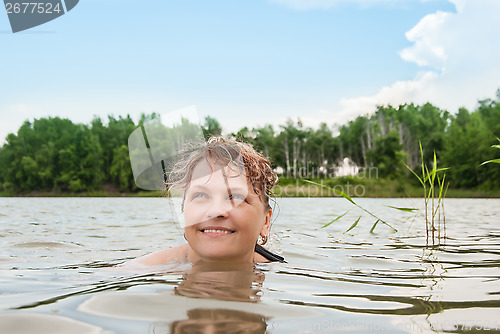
<point x="225" y="187"/>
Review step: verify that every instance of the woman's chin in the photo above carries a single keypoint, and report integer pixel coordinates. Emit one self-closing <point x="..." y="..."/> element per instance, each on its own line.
<point x="221" y="256"/>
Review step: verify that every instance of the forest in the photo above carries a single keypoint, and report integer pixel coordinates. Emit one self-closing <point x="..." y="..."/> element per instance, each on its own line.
<point x="55" y="155"/>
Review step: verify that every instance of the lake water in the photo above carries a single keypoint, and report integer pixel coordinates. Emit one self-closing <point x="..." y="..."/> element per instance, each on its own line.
<point x="58" y="271"/>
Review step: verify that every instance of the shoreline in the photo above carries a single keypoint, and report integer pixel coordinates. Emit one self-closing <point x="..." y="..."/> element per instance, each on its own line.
<point x="309" y="191"/>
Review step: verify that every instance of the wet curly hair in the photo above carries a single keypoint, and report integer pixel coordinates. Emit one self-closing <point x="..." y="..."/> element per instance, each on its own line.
<point x="225" y="152"/>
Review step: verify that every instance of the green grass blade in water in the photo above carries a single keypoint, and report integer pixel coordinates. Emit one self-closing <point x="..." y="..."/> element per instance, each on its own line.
<point x="347" y="197"/>
<point x="373" y="227"/>
<point x="353" y="225"/>
<point x="496" y="161"/>
<point x="333" y="221"/>
<point x="402" y="209"/>
<point x="432" y="175"/>
<point x="418" y="177"/>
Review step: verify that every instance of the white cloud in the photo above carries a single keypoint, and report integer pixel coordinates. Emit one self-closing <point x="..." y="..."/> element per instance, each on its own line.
<point x="428" y="49"/>
<point x="461" y="51"/>
<point x="399" y="93"/>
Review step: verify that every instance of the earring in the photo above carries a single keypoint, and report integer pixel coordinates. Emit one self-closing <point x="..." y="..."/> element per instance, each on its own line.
<point x="262" y="240"/>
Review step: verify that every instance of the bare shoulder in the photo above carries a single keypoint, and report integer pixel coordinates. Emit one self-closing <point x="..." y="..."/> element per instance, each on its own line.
<point x="257" y="258"/>
<point x="164" y="256"/>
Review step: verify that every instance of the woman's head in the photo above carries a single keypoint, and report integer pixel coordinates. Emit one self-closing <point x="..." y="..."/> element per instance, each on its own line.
<point x="220" y="151"/>
<point x="226" y="186"/>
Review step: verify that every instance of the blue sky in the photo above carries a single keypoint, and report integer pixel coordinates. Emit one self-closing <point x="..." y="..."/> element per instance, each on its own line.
<point x="249" y="62"/>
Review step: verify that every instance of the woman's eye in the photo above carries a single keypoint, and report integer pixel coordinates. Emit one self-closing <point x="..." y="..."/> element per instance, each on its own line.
<point x="199" y="195"/>
<point x="237" y="197"/>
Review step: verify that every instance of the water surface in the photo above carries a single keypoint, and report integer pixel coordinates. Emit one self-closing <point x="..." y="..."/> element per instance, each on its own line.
<point x="58" y="271"/>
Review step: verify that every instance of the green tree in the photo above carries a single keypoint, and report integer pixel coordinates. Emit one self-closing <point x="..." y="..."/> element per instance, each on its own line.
<point x="211" y="127"/>
<point x="264" y="139"/>
<point x="388" y="155"/>
<point x="121" y="172"/>
<point x="322" y="148"/>
<point x="290" y="143"/>
<point x="466" y="147"/>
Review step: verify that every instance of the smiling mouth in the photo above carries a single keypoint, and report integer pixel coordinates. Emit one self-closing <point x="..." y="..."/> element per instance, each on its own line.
<point x="216" y="231"/>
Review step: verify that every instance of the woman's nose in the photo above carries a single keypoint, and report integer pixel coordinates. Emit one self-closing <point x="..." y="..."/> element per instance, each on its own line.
<point x="219" y="207"/>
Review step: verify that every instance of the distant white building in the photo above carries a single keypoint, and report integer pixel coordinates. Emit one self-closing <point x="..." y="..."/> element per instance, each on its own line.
<point x="279" y="170"/>
<point x="346" y="168"/>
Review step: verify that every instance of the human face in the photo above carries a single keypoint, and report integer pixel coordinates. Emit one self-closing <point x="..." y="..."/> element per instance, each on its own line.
<point x="223" y="215"/>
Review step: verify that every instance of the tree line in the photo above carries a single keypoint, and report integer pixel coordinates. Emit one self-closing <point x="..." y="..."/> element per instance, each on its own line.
<point x="54" y="154"/>
<point x="390" y="138"/>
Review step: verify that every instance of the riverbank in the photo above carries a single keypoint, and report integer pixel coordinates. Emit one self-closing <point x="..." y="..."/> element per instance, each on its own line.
<point x="371" y="188"/>
<point x="97" y="193"/>
<point x="289" y="187"/>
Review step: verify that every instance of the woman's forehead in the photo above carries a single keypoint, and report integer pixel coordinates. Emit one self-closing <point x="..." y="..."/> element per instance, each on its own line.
<point x="232" y="175"/>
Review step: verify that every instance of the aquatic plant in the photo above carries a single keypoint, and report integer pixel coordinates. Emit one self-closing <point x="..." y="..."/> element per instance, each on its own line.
<point x="348" y="198"/>
<point x="497" y="161"/>
<point x="434" y="188"/>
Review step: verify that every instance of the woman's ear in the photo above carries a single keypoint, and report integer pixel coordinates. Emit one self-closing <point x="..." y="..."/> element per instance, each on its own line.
<point x="267" y="224"/>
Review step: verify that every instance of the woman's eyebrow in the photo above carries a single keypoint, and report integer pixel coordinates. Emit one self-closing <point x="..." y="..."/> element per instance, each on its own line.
<point x="229" y="189"/>
<point x="197" y="187"/>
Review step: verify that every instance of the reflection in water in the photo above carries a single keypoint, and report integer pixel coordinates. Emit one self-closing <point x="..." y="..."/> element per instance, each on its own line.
<point x="229" y="282"/>
<point x="220" y="321"/>
<point x="235" y="282"/>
